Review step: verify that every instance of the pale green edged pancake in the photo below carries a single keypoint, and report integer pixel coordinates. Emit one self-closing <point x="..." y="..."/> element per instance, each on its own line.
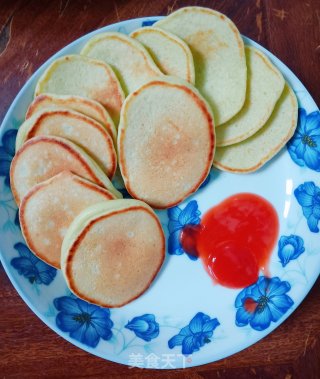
<point x="264" y="87"/>
<point x="252" y="153"/>
<point x="165" y="142"/>
<point x="112" y="252"/>
<point x="48" y="209"/>
<point x="81" y="76"/>
<point x="41" y="158"/>
<point x="76" y="127"/>
<point x="170" y="53"/>
<point x="84" y="105"/>
<point x="219" y="57"/>
<point x="129" y="59"/>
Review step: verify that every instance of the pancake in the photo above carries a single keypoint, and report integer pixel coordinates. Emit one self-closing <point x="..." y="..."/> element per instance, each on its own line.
<point x="76" y="127"/>
<point x="171" y="128"/>
<point x="48" y="209"/>
<point x="264" y="87"/>
<point x="219" y="58"/>
<point x="169" y="52"/>
<point x="252" y="153"/>
<point x="41" y="158"/>
<point x="112" y="252"/>
<point x="81" y="76"/>
<point x="129" y="59"/>
<point x="88" y="107"/>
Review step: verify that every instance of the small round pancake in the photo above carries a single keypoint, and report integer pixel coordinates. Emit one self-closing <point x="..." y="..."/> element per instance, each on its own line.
<point x="112" y="252"/>
<point x="171" y="128"/>
<point x="129" y="59"/>
<point x="48" y="209"/>
<point x="219" y="58"/>
<point x="254" y="152"/>
<point x="81" y="76"/>
<point x="264" y="87"/>
<point x="76" y="127"/>
<point x="41" y="158"/>
<point x="170" y="53"/>
<point x="88" y="107"/>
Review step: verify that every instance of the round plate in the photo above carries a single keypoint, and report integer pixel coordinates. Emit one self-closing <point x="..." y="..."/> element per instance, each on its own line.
<point x="183" y="320"/>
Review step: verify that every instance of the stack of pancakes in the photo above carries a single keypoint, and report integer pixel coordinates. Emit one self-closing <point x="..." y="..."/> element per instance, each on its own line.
<point x="164" y="103"/>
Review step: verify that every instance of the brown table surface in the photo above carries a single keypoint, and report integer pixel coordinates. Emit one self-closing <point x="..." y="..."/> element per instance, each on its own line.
<point x="30" y="32"/>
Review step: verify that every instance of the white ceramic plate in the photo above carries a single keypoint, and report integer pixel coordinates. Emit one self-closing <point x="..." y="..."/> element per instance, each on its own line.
<point x="215" y="324"/>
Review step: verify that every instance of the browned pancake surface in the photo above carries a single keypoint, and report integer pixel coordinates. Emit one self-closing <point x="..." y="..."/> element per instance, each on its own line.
<point x="165" y="143"/>
<point x="49" y="208"/>
<point x="41" y="158"/>
<point x="116" y="257"/>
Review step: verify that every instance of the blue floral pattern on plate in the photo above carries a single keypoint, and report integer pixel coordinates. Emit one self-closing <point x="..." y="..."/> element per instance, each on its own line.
<point x="148" y="23"/>
<point x="144" y="327"/>
<point x="289" y="248"/>
<point x="33" y="268"/>
<point x="87" y="323"/>
<point x="178" y="219"/>
<point x="304" y="146"/>
<point x="206" y="181"/>
<point x="17" y="220"/>
<point x="262" y="303"/>
<point x="195" y="335"/>
<point x="308" y="196"/>
<point x="7" y="151"/>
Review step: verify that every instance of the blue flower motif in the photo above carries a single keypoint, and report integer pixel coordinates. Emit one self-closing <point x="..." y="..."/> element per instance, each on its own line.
<point x="290" y="247"/>
<point x="148" y="23"/>
<point x="308" y="196"/>
<point x="193" y="336"/>
<point x="178" y="219"/>
<point x="32" y="267"/>
<point x="7" y="151"/>
<point x="144" y="327"/>
<point x="206" y="182"/>
<point x="17" y="220"/>
<point x="124" y="193"/>
<point x="304" y="146"/>
<point x="84" y="322"/>
<point x="262" y="302"/>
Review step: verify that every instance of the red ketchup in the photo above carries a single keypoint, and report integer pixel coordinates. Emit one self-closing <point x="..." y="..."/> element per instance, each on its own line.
<point x="234" y="239"/>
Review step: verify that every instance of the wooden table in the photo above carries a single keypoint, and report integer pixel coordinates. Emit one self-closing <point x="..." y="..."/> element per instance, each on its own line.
<point x="30" y="32"/>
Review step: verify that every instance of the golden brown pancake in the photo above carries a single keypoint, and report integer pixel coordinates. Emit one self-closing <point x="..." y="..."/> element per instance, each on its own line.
<point x="112" y="252"/>
<point x="80" y="104"/>
<point x="165" y="142"/>
<point x="76" y="127"/>
<point x="82" y="76"/>
<point x="41" y="158"/>
<point x="252" y="153"/>
<point x="265" y="84"/>
<point x="48" y="209"/>
<point x="130" y="60"/>
<point x="219" y="57"/>
<point x="170" y="53"/>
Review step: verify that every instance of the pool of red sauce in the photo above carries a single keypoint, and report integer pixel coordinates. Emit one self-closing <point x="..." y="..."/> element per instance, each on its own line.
<point x="234" y="239"/>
